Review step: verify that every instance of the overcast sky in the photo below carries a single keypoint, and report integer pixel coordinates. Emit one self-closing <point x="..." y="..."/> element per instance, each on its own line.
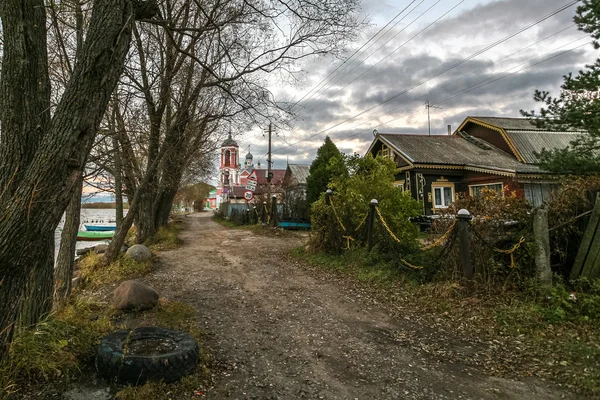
<point x="387" y="86"/>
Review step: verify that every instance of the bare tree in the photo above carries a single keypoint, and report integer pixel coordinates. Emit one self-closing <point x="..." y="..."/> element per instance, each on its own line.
<point x="219" y="51"/>
<point x="206" y="50"/>
<point x="43" y="155"/>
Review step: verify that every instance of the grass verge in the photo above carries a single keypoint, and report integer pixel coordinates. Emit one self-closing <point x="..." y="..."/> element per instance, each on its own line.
<point x="45" y="359"/>
<point x="124" y="268"/>
<point x="56" y="349"/>
<point x="166" y="238"/>
<point x="259" y="229"/>
<point x="553" y="334"/>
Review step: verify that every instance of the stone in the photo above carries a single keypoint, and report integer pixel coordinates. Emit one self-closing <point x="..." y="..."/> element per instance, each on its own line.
<point x="139" y="252"/>
<point x="101" y="248"/>
<point x="134" y="295"/>
<point x="81" y="252"/>
<point x="76" y="282"/>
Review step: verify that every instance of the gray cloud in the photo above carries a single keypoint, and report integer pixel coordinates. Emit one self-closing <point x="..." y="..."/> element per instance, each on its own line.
<point x="436" y="50"/>
<point x="499" y="17"/>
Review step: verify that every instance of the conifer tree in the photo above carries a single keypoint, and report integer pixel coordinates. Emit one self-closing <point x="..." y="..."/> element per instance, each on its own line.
<point x="577" y="107"/>
<point x="323" y="169"/>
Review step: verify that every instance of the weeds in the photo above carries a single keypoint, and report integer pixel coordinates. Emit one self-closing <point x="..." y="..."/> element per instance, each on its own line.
<point x="54" y="349"/>
<point x="166" y="238"/>
<point x="124" y="268"/>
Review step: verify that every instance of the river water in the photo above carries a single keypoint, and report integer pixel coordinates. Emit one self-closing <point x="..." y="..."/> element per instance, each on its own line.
<point x="89" y="216"/>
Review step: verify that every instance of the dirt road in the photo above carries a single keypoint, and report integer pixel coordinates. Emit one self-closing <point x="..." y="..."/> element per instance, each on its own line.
<point x="279" y="331"/>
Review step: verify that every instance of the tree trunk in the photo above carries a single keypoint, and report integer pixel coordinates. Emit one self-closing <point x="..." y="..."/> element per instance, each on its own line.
<point x="36" y="188"/>
<point x="119" y="238"/>
<point x="118" y="183"/>
<point x="63" y="270"/>
<point x="164" y="207"/>
<point x="144" y="222"/>
<point x="37" y="300"/>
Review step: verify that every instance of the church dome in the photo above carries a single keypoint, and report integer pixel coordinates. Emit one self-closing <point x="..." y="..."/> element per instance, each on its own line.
<point x="249" y="156"/>
<point x="229" y="142"/>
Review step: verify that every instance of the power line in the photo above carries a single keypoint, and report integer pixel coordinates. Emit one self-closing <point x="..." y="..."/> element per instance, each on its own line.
<point x="479" y="52"/>
<point x="366" y="58"/>
<point x="462" y="61"/>
<point x="357" y="51"/>
<point x="392" y="52"/>
<point x="489" y="80"/>
<point x="438" y="88"/>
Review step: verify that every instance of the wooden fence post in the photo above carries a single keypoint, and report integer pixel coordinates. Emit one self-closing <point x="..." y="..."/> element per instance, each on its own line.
<point x="371" y="223"/>
<point x="464" y="222"/>
<point x="274" y="215"/>
<point x="541" y="239"/>
<point x="264" y="213"/>
<point x="590" y="245"/>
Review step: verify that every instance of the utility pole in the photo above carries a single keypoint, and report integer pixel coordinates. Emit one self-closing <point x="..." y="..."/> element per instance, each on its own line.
<point x="428" y="106"/>
<point x="269" y="173"/>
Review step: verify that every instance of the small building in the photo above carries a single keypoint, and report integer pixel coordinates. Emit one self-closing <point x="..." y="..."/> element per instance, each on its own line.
<point x="211" y="201"/>
<point x="296" y="208"/>
<point x="262" y="184"/>
<point x="484" y="152"/>
<point x="294" y="180"/>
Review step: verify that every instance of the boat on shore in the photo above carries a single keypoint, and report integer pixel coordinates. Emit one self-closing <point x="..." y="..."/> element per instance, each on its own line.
<point x="94" y="236"/>
<point x="100" y="228"/>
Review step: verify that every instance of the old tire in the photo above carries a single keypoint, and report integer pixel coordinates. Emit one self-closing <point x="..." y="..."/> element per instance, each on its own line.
<point x="128" y="366"/>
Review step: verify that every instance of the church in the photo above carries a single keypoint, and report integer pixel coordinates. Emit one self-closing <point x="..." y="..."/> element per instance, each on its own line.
<point x="233" y="176"/>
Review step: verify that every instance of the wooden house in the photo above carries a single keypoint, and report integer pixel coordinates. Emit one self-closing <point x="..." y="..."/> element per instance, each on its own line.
<point x="294" y="180"/>
<point x="484" y="152"/>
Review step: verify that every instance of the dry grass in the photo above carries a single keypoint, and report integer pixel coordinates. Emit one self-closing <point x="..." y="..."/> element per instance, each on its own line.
<point x="166" y="238"/>
<point x="94" y="274"/>
<point x="55" y="349"/>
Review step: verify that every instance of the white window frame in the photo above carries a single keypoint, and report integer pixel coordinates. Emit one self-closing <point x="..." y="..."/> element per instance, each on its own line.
<point x="487" y="184"/>
<point x="399" y="184"/>
<point x="445" y="204"/>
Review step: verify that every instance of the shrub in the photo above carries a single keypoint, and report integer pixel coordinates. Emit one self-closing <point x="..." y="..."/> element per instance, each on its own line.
<point x="500" y="220"/>
<point x="344" y="214"/>
<point x="575" y="196"/>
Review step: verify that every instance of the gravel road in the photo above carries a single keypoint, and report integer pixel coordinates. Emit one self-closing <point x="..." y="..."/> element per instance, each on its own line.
<point x="276" y="330"/>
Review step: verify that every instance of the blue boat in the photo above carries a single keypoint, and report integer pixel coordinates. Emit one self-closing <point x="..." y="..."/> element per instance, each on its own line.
<point x="100" y="228"/>
<point x="294" y="225"/>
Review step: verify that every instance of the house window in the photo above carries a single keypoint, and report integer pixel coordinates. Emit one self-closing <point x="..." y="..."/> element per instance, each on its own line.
<point x="399" y="184"/>
<point x="475" y="190"/>
<point x="443" y="196"/>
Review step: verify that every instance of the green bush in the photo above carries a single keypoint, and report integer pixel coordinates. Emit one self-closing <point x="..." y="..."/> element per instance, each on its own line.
<point x="489" y="231"/>
<point x="345" y="212"/>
